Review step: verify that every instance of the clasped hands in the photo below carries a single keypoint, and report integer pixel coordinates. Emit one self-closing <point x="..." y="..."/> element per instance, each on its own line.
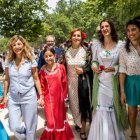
<point x="41" y="101"/>
<point x="98" y="70"/>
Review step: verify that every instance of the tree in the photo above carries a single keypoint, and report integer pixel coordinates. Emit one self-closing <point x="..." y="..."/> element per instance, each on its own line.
<point x="60" y="27"/>
<point x="22" y="17"/>
<point x="31" y="19"/>
<point x="3" y="44"/>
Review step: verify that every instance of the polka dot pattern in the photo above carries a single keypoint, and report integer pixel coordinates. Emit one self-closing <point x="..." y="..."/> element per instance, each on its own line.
<point x="129" y="62"/>
<point x="74" y="58"/>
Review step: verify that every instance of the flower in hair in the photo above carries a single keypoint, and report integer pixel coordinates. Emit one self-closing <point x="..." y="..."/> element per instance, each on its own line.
<point x="84" y="36"/>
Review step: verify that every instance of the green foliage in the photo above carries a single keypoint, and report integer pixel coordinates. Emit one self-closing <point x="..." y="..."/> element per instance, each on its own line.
<point x="60" y="26"/>
<point x="31" y="19"/>
<point x="22" y="17"/>
<point x="3" y="44"/>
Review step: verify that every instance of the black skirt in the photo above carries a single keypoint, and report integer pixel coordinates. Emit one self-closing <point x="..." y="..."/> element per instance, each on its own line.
<point x="84" y="97"/>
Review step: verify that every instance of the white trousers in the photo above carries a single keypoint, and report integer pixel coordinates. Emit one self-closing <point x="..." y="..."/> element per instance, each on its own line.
<point x="27" y="111"/>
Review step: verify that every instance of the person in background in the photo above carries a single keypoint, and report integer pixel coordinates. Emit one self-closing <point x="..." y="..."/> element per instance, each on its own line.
<point x="21" y="77"/>
<point x="50" y="42"/>
<point x="77" y="58"/>
<point x="109" y="117"/>
<point x="130" y="73"/>
<point x="54" y="87"/>
<point x="1" y="65"/>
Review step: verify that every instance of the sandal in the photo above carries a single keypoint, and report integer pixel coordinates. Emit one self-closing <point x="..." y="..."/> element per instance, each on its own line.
<point x="77" y="128"/>
<point x="83" y="136"/>
<point x="133" y="137"/>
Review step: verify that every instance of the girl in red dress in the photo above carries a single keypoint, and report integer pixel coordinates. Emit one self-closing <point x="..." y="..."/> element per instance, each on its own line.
<point x="54" y="88"/>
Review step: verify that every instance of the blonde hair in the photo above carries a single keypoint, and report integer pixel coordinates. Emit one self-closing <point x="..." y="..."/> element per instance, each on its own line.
<point x="27" y="52"/>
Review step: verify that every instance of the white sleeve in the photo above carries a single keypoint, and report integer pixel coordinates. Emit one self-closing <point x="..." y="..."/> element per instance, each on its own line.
<point x="34" y="63"/>
<point x="122" y="62"/>
<point x="94" y="49"/>
<point x="120" y="46"/>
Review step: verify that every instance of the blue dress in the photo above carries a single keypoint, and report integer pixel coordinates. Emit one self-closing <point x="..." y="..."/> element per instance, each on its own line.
<point x="3" y="133"/>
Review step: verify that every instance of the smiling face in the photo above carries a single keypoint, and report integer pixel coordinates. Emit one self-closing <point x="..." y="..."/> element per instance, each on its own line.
<point x="133" y="32"/>
<point x="50" y="41"/>
<point x="49" y="57"/>
<point x="76" y="38"/>
<point x="105" y="29"/>
<point x="18" y="47"/>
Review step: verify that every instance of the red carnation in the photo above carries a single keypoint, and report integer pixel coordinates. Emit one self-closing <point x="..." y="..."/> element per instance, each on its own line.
<point x="84" y="35"/>
<point x="2" y="106"/>
<point x="102" y="67"/>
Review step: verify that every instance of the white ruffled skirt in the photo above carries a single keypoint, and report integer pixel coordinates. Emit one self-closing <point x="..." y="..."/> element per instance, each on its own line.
<point x="104" y="126"/>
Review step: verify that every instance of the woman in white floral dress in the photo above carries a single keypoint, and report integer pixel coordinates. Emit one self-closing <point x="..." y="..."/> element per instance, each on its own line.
<point x="107" y="123"/>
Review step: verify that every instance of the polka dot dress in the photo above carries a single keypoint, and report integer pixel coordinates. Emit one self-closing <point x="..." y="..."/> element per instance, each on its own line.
<point x="74" y="58"/>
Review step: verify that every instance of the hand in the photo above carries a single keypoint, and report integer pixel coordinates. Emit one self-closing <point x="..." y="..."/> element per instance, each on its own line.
<point x="41" y="101"/>
<point x="109" y="69"/>
<point x="1" y="99"/>
<point x="96" y="70"/>
<point x="79" y="70"/>
<point x="123" y="99"/>
<point x="66" y="102"/>
<point x="5" y="100"/>
<point x="43" y="67"/>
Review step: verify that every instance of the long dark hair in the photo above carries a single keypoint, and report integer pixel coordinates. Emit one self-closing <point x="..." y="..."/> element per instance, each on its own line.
<point x="113" y="31"/>
<point x="51" y="49"/>
<point x="135" y="22"/>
